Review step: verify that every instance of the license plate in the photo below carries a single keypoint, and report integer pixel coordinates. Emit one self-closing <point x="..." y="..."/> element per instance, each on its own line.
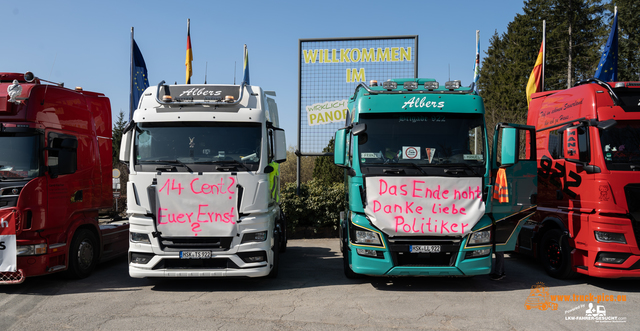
<point x="424" y="248"/>
<point x="195" y="254"/>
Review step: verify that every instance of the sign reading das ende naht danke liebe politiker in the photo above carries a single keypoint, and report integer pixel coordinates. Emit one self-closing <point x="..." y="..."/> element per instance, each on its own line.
<point x="423" y="206"/>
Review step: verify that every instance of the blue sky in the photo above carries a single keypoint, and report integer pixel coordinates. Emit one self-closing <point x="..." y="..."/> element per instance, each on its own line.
<point x="87" y="43"/>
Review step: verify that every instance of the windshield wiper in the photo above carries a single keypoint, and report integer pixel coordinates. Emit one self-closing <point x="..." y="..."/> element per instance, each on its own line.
<point x="448" y="170"/>
<point x="226" y="164"/>
<point x="168" y="161"/>
<point x="414" y="166"/>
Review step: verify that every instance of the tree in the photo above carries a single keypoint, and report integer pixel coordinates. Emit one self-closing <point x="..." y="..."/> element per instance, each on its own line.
<point x="116" y="136"/>
<point x="324" y="170"/>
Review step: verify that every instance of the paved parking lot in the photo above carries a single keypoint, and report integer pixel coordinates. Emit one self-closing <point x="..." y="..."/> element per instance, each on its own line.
<point x="311" y="293"/>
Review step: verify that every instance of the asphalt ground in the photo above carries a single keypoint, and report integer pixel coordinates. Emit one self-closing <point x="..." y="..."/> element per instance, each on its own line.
<point x="311" y="293"/>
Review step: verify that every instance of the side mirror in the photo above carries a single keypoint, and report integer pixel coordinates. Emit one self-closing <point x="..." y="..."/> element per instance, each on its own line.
<point x="509" y="145"/>
<point x="359" y="128"/>
<point x="571" y="144"/>
<point x="280" y="145"/>
<point x="339" y="153"/>
<point x="605" y="125"/>
<point x="125" y="146"/>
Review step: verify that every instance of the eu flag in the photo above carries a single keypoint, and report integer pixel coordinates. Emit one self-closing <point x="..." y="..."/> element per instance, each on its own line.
<point x="139" y="79"/>
<point x="608" y="66"/>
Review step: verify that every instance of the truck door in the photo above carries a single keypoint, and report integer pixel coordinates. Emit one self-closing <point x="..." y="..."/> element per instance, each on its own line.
<point x="512" y="195"/>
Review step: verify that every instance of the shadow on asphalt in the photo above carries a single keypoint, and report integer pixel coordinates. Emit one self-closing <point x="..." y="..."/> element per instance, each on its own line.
<point x="306" y="267"/>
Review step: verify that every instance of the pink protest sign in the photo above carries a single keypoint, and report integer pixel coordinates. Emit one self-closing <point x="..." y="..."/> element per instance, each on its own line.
<point x="424" y="206"/>
<point x="190" y="205"/>
<point x="8" y="257"/>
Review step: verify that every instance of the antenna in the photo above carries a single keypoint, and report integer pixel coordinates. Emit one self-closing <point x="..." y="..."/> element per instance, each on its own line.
<point x="206" y="68"/>
<point x="449" y="71"/>
<point x="47" y="87"/>
<point x="234" y="72"/>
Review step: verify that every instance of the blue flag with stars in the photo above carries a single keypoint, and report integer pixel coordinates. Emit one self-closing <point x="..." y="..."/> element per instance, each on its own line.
<point x="608" y="66"/>
<point x="139" y="79"/>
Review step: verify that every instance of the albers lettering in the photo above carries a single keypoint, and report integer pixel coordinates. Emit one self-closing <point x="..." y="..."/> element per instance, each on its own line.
<point x="2" y="246"/>
<point x="199" y="92"/>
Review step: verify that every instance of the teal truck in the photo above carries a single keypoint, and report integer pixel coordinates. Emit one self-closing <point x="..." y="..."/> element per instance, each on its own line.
<point x="425" y="198"/>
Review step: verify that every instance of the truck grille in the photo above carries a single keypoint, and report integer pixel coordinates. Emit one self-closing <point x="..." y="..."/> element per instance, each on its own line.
<point x="632" y="193"/>
<point x="183" y="243"/>
<point x="402" y="256"/>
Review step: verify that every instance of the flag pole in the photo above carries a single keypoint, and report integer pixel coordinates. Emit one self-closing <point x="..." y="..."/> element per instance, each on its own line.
<point x="544" y="52"/>
<point x="131" y="79"/>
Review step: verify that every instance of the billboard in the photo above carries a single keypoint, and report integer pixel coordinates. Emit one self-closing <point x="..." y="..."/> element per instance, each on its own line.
<point x="329" y="71"/>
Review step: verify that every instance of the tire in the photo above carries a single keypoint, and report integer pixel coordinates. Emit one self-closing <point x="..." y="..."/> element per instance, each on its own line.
<point x="555" y="255"/>
<point x="276" y="256"/>
<point x="347" y="269"/>
<point x="83" y="254"/>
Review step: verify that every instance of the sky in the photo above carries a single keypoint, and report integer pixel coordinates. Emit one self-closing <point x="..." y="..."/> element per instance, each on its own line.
<point x="87" y="43"/>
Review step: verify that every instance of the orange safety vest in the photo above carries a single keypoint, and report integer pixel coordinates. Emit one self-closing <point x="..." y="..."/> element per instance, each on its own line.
<point x="500" y="189"/>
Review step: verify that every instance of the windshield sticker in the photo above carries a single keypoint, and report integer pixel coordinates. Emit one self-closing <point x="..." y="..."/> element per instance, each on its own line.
<point x="477" y="157"/>
<point x="410" y="153"/>
<point x="418" y="102"/>
<point x="430" y="153"/>
<point x="419" y="206"/>
<point x="371" y="155"/>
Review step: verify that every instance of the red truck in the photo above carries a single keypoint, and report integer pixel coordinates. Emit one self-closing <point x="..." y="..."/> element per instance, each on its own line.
<point x="588" y="150"/>
<point x="55" y="176"/>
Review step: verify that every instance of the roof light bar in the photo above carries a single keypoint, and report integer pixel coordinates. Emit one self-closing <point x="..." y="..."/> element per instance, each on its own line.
<point x="431" y="85"/>
<point x="410" y="85"/>
<point x="452" y="85"/>
<point x="390" y="85"/>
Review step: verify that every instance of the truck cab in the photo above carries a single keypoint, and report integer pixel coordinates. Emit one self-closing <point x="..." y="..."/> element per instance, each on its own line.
<point x="203" y="187"/>
<point x="588" y="219"/>
<point x="420" y="181"/>
<point x="55" y="177"/>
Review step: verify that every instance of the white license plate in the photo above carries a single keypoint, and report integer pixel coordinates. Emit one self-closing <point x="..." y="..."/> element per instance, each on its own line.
<point x="195" y="254"/>
<point x="424" y="248"/>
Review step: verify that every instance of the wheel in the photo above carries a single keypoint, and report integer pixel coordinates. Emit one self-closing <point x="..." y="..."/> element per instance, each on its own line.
<point x="276" y="256"/>
<point x="83" y="254"/>
<point x="555" y="255"/>
<point x="347" y="269"/>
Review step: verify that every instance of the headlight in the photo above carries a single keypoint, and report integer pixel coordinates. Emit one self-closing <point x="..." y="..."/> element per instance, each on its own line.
<point x="610" y="237"/>
<point x="38" y="249"/>
<point x="480" y="237"/>
<point x="367" y="237"/>
<point x="141" y="238"/>
<point x="254" y="237"/>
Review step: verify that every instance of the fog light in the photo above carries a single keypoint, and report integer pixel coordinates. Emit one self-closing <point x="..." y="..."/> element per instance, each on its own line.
<point x="613" y="258"/>
<point x="431" y="85"/>
<point x="141" y="238"/>
<point x="370" y="253"/>
<point x="141" y="258"/>
<point x="610" y="237"/>
<point x="478" y="253"/>
<point x="389" y="85"/>
<point x="252" y="257"/>
<point x="410" y="85"/>
<point x="452" y="85"/>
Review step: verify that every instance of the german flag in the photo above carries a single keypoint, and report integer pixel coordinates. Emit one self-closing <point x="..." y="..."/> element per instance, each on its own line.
<point x="189" y="53"/>
<point x="534" y="85"/>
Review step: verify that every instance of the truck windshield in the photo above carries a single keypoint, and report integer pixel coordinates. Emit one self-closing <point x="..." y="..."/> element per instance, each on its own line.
<point x="198" y="145"/>
<point x="621" y="146"/>
<point x="422" y="139"/>
<point x="19" y="156"/>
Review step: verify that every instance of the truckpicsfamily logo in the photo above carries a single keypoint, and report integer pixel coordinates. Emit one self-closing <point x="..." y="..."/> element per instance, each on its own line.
<point x="540" y="298"/>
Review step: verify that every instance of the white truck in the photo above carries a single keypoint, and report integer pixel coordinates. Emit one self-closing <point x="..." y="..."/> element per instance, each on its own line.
<point x="203" y="189"/>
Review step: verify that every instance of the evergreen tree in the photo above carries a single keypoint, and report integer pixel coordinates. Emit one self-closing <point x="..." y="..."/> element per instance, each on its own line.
<point x="116" y="135"/>
<point x="324" y="170"/>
